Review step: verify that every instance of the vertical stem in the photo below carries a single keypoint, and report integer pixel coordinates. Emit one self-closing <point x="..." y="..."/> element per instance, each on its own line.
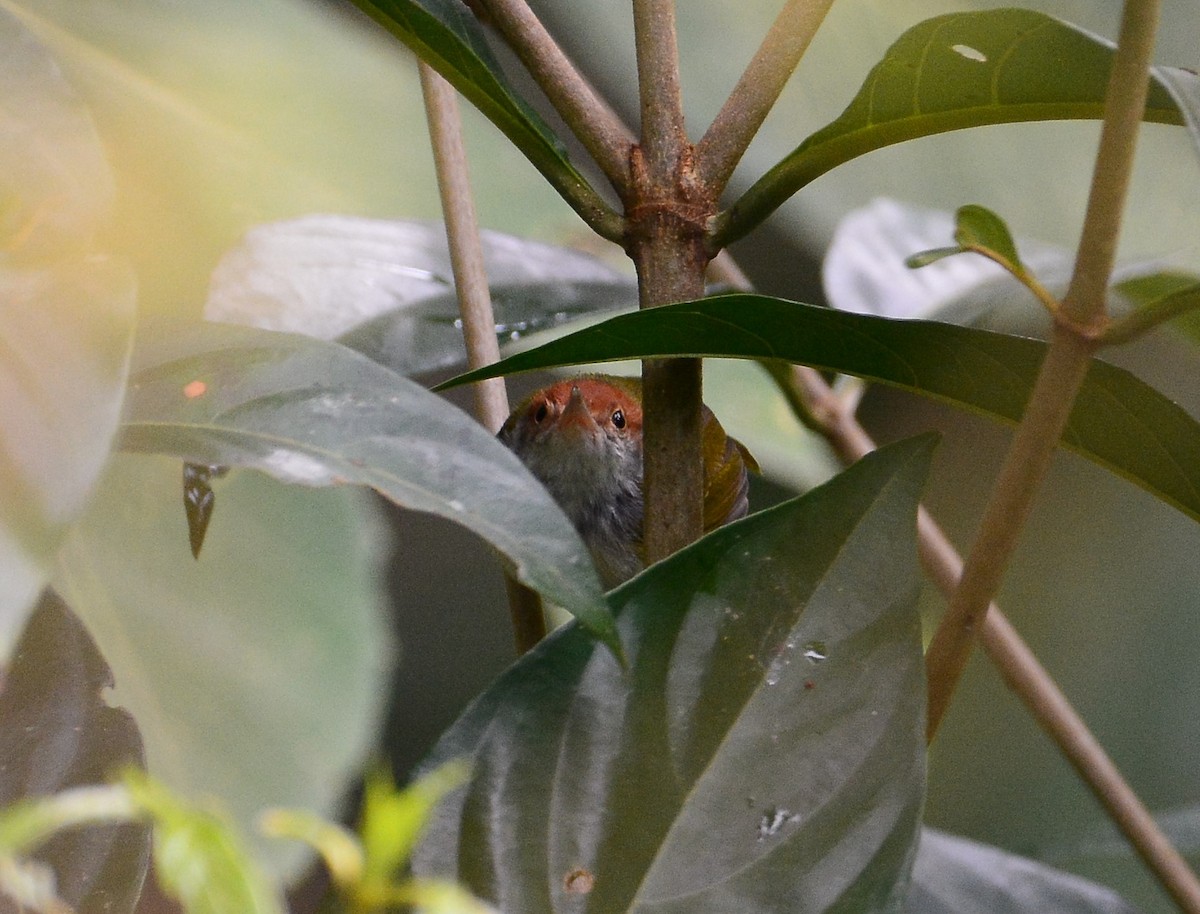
<point x="1125" y="104"/>
<point x="474" y="299"/>
<point x="666" y="223"/>
<point x="663" y="134"/>
<point x="1065" y="366"/>
<point x="466" y="250"/>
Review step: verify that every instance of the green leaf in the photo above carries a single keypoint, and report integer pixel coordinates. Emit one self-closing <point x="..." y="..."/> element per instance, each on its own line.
<point x="951" y="72"/>
<point x="318" y="414"/>
<point x="393" y="819"/>
<point x="329" y="276"/>
<point x="1156" y="298"/>
<point x="65" y="337"/>
<point x="977" y="227"/>
<point x="428" y="335"/>
<point x="55" y="184"/>
<point x="1118" y="421"/>
<point x="257" y="673"/>
<point x="1184" y="87"/>
<point x="956" y="876"/>
<point x="58" y="735"/>
<point x="764" y="751"/>
<point x="199" y="858"/>
<point x="447" y="36"/>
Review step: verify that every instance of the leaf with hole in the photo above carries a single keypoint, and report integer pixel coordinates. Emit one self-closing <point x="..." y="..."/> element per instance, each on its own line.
<point x="764" y="750"/>
<point x="951" y="72"/>
<point x="318" y="414"/>
<point x="1118" y="421"/>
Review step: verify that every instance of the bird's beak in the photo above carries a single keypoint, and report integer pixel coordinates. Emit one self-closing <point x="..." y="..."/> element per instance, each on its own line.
<point x="576" y="413"/>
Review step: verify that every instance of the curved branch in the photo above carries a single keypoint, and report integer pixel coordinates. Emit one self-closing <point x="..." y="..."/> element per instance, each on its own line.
<point x="606" y="138"/>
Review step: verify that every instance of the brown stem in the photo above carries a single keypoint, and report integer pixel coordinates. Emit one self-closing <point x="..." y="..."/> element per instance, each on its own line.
<point x="666" y="213"/>
<point x="474" y="298"/>
<point x="730" y="133"/>
<point x="597" y="126"/>
<point x="663" y="134"/>
<point x="1125" y="103"/>
<point x="1081" y="319"/>
<point x="670" y="268"/>
<point x="1022" y="472"/>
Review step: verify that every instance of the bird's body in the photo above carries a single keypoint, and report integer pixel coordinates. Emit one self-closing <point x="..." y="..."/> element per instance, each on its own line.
<point x="582" y="438"/>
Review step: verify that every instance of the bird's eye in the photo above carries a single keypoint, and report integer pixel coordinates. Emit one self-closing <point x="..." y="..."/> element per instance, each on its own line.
<point x="540" y="415"/>
<point x="618" y="419"/>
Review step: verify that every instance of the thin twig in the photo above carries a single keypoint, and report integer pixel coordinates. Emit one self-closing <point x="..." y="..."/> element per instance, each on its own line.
<point x="820" y="407"/>
<point x="730" y="133"/>
<point x="601" y="131"/>
<point x="474" y="298"/>
<point x="663" y="133"/>
<point x="1065" y="366"/>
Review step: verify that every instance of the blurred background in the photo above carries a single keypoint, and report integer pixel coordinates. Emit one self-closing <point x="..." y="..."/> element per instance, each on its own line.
<point x="219" y="115"/>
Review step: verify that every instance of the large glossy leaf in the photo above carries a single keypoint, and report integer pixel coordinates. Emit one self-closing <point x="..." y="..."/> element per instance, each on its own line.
<point x="318" y="414"/>
<point x="386" y="287"/>
<point x="66" y="320"/>
<point x="762" y="753"/>
<point x="256" y="673"/>
<point x="58" y="732"/>
<point x="54" y="180"/>
<point x="446" y="35"/>
<point x="1118" y="421"/>
<point x="950" y="72"/>
<point x="956" y="876"/>
<point x="65" y="336"/>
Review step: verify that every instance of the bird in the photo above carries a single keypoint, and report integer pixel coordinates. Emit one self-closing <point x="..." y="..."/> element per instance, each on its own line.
<point x="582" y="439"/>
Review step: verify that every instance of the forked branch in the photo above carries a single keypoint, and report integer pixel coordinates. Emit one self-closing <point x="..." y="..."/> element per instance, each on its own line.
<point x="735" y="125"/>
<point x="602" y="133"/>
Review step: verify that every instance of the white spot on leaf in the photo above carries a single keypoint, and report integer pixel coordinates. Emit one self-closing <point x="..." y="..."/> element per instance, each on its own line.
<point x="965" y="50"/>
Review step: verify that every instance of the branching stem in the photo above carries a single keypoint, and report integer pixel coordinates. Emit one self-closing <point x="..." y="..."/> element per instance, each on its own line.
<point x="735" y="125"/>
<point x="594" y="123"/>
<point x="663" y="133"/>
<point x="1072" y="344"/>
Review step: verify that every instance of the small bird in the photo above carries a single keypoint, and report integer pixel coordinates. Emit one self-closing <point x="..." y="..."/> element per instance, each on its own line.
<point x="582" y="438"/>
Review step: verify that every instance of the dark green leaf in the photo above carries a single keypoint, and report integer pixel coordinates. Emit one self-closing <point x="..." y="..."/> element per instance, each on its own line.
<point x="948" y="73"/>
<point x="764" y="751"/>
<point x="1118" y="421"/>
<point x="57" y="732"/>
<point x="446" y="35"/>
<point x="956" y="876"/>
<point x="316" y="413"/>
<point x="428" y="336"/>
